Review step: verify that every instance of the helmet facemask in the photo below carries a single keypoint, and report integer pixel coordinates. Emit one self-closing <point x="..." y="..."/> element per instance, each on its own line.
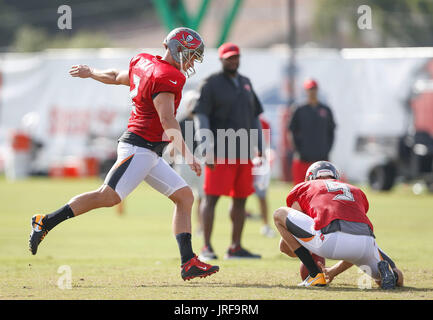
<point x="189" y="57"/>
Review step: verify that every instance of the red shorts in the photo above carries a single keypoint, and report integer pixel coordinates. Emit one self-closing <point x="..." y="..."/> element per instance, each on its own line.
<point x="299" y="169"/>
<point x="233" y="180"/>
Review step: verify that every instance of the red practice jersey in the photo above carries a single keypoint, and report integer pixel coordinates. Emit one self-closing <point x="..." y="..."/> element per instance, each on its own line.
<point x="148" y="76"/>
<point x="326" y="200"/>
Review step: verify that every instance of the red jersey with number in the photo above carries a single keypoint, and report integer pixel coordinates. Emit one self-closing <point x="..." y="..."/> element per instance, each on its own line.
<point x="326" y="200"/>
<point x="148" y="76"/>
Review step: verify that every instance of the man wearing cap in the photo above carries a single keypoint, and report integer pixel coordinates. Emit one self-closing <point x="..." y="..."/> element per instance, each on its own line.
<point x="227" y="101"/>
<point x="312" y="130"/>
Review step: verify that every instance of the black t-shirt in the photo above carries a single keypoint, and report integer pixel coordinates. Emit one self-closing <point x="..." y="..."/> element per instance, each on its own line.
<point x="313" y="132"/>
<point x="228" y="103"/>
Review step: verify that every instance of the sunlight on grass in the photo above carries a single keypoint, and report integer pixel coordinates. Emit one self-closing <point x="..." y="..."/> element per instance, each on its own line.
<point x="135" y="256"/>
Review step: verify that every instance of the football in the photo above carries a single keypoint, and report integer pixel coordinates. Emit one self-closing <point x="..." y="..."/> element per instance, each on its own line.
<point x="303" y="269"/>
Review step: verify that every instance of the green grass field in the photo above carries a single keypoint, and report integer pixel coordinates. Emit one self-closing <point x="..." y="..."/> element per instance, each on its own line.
<point x="135" y="256"/>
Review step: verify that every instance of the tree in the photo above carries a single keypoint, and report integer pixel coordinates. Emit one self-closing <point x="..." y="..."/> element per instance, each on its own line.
<point x="20" y="20"/>
<point x="394" y="23"/>
<point x="30" y="39"/>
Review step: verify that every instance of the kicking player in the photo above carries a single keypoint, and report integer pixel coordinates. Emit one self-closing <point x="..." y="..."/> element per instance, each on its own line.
<point x="327" y="217"/>
<point x="155" y="89"/>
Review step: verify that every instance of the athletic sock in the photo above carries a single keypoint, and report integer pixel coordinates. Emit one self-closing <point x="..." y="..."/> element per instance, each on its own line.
<point x="53" y="219"/>
<point x="305" y="256"/>
<point x="185" y="246"/>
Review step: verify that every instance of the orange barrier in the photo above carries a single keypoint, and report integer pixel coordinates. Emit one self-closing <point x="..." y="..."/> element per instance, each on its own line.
<point x="20" y="141"/>
<point x="75" y="168"/>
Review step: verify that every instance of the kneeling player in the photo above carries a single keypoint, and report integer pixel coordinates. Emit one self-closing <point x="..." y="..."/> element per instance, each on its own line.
<point x="327" y="217"/>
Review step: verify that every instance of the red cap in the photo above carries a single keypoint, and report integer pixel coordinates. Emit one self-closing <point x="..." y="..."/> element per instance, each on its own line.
<point x="227" y="50"/>
<point x="310" y="84"/>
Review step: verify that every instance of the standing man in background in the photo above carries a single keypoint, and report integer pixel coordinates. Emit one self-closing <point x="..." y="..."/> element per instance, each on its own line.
<point x="312" y="129"/>
<point x="227" y="101"/>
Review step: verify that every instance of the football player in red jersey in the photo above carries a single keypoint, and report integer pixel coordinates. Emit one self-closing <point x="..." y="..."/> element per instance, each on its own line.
<point x="327" y="217"/>
<point x="155" y="89"/>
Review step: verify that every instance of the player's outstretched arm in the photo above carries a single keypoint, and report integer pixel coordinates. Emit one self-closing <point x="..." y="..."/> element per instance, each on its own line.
<point x="164" y="105"/>
<point x="335" y="270"/>
<point x="110" y="76"/>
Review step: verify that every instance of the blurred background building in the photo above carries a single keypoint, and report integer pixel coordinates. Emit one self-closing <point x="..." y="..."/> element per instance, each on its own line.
<point x="372" y="59"/>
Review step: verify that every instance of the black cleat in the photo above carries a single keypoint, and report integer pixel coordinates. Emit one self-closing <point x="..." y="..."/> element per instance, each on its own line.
<point x="386" y="275"/>
<point x="38" y="232"/>
<point x="240" y="253"/>
<point x="194" y="268"/>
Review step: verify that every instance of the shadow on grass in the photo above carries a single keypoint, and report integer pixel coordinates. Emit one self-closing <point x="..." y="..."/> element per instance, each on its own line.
<point x="339" y="288"/>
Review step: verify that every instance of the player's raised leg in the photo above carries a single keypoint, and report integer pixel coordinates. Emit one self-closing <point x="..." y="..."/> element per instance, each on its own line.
<point x="42" y="224"/>
<point x="126" y="174"/>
